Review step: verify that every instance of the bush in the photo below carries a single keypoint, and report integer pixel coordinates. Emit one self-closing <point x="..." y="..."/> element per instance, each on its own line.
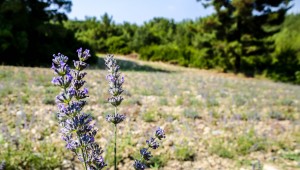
<point x="158" y="161"/>
<point x="184" y="153"/>
<point x="220" y="148"/>
<point x="169" y="53"/>
<point x="191" y="113"/>
<point x="150" y="116"/>
<point x="249" y="142"/>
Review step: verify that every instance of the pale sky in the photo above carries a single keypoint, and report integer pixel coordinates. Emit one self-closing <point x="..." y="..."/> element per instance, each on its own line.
<point x="139" y="11"/>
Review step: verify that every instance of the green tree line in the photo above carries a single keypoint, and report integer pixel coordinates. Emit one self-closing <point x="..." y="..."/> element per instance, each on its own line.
<point x="250" y="37"/>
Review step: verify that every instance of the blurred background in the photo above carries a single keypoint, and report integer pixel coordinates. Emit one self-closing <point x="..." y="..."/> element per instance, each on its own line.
<point x="249" y="37"/>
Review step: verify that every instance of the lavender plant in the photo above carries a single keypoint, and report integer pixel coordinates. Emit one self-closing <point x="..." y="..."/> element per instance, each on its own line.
<point x="115" y="89"/>
<point x="77" y="128"/>
<point x="145" y="153"/>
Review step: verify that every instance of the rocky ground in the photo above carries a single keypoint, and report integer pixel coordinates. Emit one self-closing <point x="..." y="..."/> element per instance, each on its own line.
<point x="212" y="120"/>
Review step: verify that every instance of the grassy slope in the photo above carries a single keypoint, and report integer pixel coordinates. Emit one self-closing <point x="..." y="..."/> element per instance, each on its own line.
<point x="212" y="120"/>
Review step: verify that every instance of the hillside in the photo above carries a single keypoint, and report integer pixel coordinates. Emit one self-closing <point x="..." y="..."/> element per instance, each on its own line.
<point x="212" y="120"/>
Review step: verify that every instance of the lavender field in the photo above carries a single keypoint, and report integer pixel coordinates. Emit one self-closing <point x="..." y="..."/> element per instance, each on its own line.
<point x="211" y="120"/>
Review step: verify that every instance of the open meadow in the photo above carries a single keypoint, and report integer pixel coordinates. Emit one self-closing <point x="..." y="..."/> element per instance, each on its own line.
<point x="212" y="120"/>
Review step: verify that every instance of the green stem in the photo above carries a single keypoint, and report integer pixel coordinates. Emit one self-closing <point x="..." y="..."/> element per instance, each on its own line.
<point x="115" y="142"/>
<point x="115" y="149"/>
<point x="85" y="157"/>
<point x="82" y="152"/>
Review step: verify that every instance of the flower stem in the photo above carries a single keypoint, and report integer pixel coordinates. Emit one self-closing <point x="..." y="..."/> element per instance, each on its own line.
<point x="83" y="152"/>
<point x="115" y="148"/>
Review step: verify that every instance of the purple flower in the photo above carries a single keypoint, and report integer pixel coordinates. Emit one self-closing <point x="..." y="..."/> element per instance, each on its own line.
<point x="110" y="62"/>
<point x="85" y="91"/>
<point x="68" y="79"/>
<point x="110" y="78"/>
<point x="82" y="119"/>
<point x="78" y="75"/>
<point x="99" y="162"/>
<point x="62" y="81"/>
<point x="145" y="154"/>
<point x="81" y="94"/>
<point x="160" y="133"/>
<point x="152" y="143"/>
<point x="59" y="59"/>
<point x="60" y="69"/>
<point x="115" y="101"/>
<point x="86" y="139"/>
<point x="58" y="81"/>
<point x="63" y="98"/>
<point x="115" y="91"/>
<point x="71" y="143"/>
<point x="83" y="56"/>
<point x="63" y="110"/>
<point x="77" y="84"/>
<point x="138" y="165"/>
<point x="76" y="106"/>
<point x="121" y="81"/>
<point x="80" y="65"/>
<point x="115" y="119"/>
<point x="71" y="91"/>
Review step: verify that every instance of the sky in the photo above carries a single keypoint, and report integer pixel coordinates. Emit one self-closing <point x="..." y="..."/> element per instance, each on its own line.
<point x="140" y="11"/>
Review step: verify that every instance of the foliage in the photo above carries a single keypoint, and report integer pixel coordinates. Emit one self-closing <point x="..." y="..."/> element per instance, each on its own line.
<point x="235" y="38"/>
<point x="158" y="161"/>
<point x="222" y="150"/>
<point x="103" y="35"/>
<point x="241" y="30"/>
<point x="250" y="142"/>
<point x="28" y="154"/>
<point x="184" y="153"/>
<point x="286" y="58"/>
<point x="241" y="36"/>
<point x="31" y="30"/>
<point x="150" y="116"/>
<point x="291" y="156"/>
<point x="191" y="113"/>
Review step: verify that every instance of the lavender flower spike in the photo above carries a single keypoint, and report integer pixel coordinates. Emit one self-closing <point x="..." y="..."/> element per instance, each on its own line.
<point x="77" y="130"/>
<point x="145" y="153"/>
<point x="115" y="82"/>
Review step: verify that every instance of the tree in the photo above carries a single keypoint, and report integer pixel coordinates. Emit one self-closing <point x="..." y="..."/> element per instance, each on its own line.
<point x="242" y="30"/>
<point x="286" y="58"/>
<point x="31" y="29"/>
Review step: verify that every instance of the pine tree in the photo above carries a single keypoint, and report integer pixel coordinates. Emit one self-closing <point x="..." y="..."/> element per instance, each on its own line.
<point x="242" y="31"/>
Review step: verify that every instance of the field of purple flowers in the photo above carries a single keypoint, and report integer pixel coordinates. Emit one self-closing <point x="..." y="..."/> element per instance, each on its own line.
<point x="211" y="120"/>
